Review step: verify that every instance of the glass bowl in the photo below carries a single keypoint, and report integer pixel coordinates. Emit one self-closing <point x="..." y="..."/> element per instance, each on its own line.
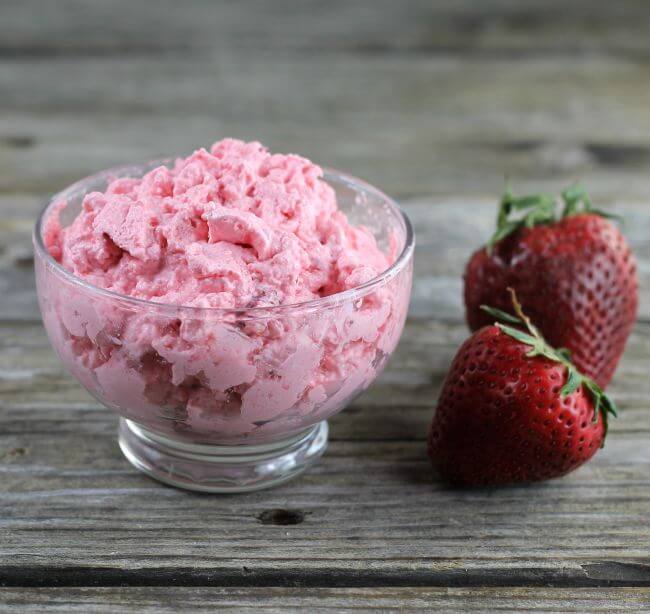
<point x="227" y="400"/>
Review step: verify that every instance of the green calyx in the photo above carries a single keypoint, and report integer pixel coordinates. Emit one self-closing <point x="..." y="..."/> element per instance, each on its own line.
<point x="603" y="404"/>
<point x="537" y="209"/>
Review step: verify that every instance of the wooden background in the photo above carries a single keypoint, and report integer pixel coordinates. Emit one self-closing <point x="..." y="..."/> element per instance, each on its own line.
<point x="432" y="101"/>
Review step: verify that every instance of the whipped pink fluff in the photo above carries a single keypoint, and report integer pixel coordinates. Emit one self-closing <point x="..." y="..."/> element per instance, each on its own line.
<point x="233" y="227"/>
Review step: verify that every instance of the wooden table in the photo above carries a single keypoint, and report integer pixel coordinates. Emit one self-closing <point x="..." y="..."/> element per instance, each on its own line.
<point x="433" y="102"/>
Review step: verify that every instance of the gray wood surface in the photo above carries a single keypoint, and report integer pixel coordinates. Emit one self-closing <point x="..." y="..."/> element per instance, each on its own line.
<point x="150" y="600"/>
<point x="432" y="101"/>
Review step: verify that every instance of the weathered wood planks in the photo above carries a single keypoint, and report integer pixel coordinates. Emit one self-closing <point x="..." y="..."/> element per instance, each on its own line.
<point x="432" y="101"/>
<point x="371" y="508"/>
<point x="281" y="600"/>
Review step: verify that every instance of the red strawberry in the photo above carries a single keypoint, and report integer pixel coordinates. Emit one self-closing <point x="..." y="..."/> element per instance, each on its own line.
<point x="575" y="277"/>
<point x="513" y="409"/>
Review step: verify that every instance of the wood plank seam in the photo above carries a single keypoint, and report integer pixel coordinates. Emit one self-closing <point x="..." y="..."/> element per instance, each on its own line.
<point x="600" y="574"/>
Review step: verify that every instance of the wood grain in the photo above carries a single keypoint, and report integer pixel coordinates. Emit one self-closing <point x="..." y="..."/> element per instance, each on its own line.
<point x="361" y="27"/>
<point x="432" y="101"/>
<point x="198" y="599"/>
<point x="66" y="484"/>
<point x="413" y="125"/>
<point x="433" y="98"/>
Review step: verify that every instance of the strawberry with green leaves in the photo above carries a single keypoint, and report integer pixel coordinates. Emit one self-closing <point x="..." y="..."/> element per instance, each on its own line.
<point x="572" y="270"/>
<point x="514" y="409"/>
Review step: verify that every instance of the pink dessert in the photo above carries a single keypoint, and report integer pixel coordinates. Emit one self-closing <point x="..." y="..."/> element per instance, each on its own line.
<point x="233" y="228"/>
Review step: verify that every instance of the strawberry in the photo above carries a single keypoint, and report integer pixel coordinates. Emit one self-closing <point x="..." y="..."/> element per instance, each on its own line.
<point x="514" y="409"/>
<point x="574" y="275"/>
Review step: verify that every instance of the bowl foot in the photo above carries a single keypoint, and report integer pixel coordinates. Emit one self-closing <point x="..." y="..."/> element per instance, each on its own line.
<point x="220" y="469"/>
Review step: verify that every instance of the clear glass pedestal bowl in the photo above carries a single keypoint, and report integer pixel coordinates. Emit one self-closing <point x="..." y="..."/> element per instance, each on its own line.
<point x="220" y="400"/>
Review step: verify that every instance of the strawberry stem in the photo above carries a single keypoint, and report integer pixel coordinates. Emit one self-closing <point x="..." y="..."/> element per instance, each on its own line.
<point x="538" y="209"/>
<point x="603" y="404"/>
<point x="572" y="197"/>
